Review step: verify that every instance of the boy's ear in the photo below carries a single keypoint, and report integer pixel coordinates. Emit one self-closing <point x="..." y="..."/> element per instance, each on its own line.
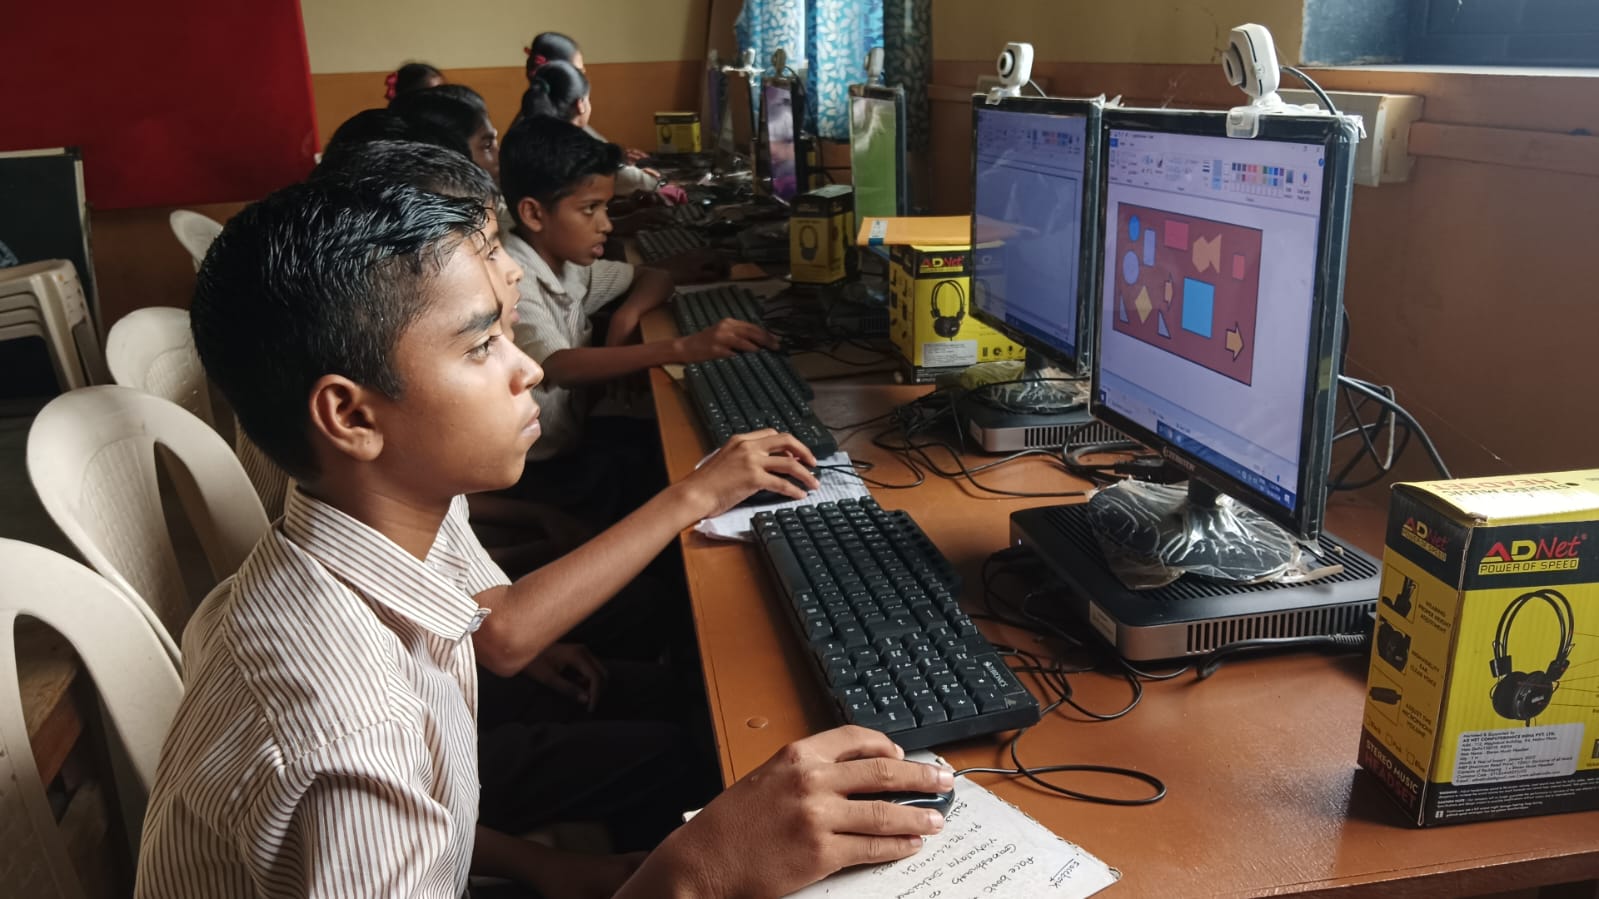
<point x="530" y="213"/>
<point x="342" y="418"/>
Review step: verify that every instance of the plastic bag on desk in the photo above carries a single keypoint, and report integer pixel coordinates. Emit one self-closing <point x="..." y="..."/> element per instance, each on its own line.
<point x="1007" y="385"/>
<point x="1153" y="534"/>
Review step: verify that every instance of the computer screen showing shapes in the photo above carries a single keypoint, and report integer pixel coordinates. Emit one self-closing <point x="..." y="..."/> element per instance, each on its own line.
<point x="877" y="150"/>
<point x="1221" y="289"/>
<point x="1035" y="182"/>
<point x="782" y="114"/>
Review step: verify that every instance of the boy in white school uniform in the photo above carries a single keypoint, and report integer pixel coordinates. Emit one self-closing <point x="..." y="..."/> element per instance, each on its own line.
<point x="325" y="744"/>
<point x="557" y="180"/>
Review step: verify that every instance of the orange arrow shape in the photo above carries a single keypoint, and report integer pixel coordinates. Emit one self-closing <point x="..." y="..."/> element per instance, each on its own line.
<point x="1235" y="341"/>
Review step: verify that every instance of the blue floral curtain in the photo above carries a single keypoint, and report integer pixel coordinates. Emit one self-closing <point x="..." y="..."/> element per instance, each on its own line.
<point x="828" y="38"/>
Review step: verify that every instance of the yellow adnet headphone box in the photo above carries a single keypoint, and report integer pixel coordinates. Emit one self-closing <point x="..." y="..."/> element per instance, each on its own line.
<point x="1482" y="698"/>
<point x="820" y="229"/>
<point x="929" y="312"/>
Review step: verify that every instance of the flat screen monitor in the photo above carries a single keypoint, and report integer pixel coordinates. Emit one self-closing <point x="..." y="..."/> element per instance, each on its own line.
<point x="714" y="118"/>
<point x="877" y="150"/>
<point x="1035" y="187"/>
<point x="782" y="112"/>
<point x="1223" y="267"/>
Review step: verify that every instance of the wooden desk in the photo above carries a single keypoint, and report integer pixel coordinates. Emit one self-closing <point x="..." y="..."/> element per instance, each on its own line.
<point x="1265" y="797"/>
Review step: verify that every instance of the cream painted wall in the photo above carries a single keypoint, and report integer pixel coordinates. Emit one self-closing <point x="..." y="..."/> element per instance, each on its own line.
<point x="377" y="35"/>
<point x="1129" y="31"/>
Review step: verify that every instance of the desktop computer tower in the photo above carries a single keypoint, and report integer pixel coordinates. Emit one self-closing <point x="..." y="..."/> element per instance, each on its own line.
<point x="1192" y="616"/>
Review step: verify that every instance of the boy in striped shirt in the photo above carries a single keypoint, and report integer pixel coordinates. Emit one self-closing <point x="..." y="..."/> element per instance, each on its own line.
<point x="326" y="743"/>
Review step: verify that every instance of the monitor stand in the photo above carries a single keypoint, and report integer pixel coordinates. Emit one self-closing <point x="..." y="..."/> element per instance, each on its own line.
<point x="1193" y="615"/>
<point x="1047" y="416"/>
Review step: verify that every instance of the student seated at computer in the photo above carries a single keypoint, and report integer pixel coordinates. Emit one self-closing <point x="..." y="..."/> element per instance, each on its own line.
<point x="558" y="90"/>
<point x="557" y="181"/>
<point x="576" y="736"/>
<point x="460" y="111"/>
<point x="553" y="46"/>
<point x="324" y="745"/>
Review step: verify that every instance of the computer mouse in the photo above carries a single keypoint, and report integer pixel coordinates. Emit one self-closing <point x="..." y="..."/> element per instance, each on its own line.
<point x="767" y="497"/>
<point x="938" y="802"/>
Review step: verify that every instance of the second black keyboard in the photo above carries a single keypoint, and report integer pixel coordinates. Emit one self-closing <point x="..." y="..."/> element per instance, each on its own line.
<point x="751" y="391"/>
<point x="699" y="309"/>
<point x="653" y="246"/>
<point x="875" y="603"/>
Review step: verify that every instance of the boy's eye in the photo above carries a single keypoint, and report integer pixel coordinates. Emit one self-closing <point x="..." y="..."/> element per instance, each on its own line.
<point x="481" y="351"/>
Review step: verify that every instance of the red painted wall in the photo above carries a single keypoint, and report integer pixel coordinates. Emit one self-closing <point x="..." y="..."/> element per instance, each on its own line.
<point x="174" y="102"/>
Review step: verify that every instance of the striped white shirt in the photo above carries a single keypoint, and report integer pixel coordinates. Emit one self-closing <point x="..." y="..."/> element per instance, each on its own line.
<point x="554" y="313"/>
<point x="327" y="741"/>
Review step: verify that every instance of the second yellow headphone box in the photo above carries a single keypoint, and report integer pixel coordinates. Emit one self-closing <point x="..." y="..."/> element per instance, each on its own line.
<point x="820" y="231"/>
<point x="929" y="312"/>
<point x="1482" y="699"/>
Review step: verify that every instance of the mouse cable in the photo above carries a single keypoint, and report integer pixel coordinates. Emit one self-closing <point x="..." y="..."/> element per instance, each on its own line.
<point x="851" y="471"/>
<point x="1034" y="774"/>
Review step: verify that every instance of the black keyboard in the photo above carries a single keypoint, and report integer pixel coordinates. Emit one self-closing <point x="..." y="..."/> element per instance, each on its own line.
<point x="699" y="309"/>
<point x="751" y="391"/>
<point x="874" y="601"/>
<point x="691" y="215"/>
<point x="653" y="246"/>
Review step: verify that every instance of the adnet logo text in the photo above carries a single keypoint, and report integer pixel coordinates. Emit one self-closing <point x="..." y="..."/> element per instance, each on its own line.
<point x="1432" y="542"/>
<point x="1543" y="554"/>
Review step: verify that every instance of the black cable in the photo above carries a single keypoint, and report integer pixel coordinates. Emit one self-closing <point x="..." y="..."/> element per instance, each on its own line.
<point x="1220" y="654"/>
<point x="849" y="470"/>
<point x="1432" y="451"/>
<point x="1314" y="88"/>
<point x="1032" y="774"/>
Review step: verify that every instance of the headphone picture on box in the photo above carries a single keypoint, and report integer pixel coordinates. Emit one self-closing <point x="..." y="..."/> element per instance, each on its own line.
<point x="810" y="242"/>
<point x="666" y="134"/>
<point x="1523" y="695"/>
<point x="947" y="326"/>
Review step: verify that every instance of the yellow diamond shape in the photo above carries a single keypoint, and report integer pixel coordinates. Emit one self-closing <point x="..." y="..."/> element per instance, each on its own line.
<point x="1143" y="305"/>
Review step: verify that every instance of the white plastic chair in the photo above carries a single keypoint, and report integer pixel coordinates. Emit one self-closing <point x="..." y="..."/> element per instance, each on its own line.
<point x="195" y="232"/>
<point x="152" y="349"/>
<point x="46" y="300"/>
<point x="92" y="460"/>
<point x="138" y="685"/>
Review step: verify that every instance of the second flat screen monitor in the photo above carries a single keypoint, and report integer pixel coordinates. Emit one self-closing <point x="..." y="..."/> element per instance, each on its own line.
<point x="1034" y="175"/>
<point x="780" y="108"/>
<point x="877" y="150"/>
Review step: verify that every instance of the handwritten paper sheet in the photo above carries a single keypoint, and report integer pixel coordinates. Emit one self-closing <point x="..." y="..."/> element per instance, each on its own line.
<point x="988" y="848"/>
<point x="734" y="524"/>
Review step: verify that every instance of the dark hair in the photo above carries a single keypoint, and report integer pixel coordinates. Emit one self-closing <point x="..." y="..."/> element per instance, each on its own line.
<point x="385" y="124"/>
<point x="429" y="167"/>
<point x="549" y="46"/>
<point x="318" y="278"/>
<point x="441" y="108"/>
<point x="465" y="95"/>
<point x="554" y="91"/>
<point x="547" y="159"/>
<point x="413" y="76"/>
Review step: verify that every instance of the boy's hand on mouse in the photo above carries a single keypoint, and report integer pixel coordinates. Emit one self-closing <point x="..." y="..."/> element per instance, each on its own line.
<point x="791" y="822"/>
<point x="723" y="339"/>
<point x="633" y="155"/>
<point x="747" y="463"/>
<point x="696" y="266"/>
<point x="570" y="670"/>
